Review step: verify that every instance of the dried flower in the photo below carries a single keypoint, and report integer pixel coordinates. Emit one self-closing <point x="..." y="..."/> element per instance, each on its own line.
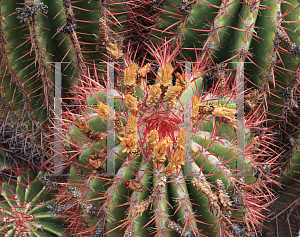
<point x="143" y="71"/>
<point x="102" y="110"/>
<point x="174" y="91"/>
<point x="177" y="228"/>
<point x="131" y="102"/>
<point x="102" y="38"/>
<point x="135" y="152"/>
<point x="79" y="171"/>
<point x="139" y="208"/>
<point x="223" y="196"/>
<point x="85" y="128"/>
<point x="166" y="75"/>
<point x="224" y="113"/>
<point x="152" y="138"/>
<point x="160" y="150"/>
<point x="249" y="2"/>
<point x="154" y="94"/>
<point x="172" y="94"/>
<point x="128" y="142"/>
<point x="134" y="185"/>
<point x="180" y="81"/>
<point x="96" y="160"/>
<point x="130" y="91"/>
<point x="114" y="50"/>
<point x="213" y="200"/>
<point x="253" y="98"/>
<point x="131" y="126"/>
<point x="206" y="109"/>
<point x="130" y="75"/>
<point x="175" y="162"/>
<point x="119" y="127"/>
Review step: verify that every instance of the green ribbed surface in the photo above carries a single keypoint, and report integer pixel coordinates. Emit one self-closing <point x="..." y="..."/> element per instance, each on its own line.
<point x="22" y="206"/>
<point x="117" y="206"/>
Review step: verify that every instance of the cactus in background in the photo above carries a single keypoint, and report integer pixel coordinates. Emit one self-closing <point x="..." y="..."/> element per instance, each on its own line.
<point x="249" y="31"/>
<point x="176" y="166"/>
<point x="34" y="35"/>
<point x="24" y="207"/>
<point x="286" y="208"/>
<point x="289" y="131"/>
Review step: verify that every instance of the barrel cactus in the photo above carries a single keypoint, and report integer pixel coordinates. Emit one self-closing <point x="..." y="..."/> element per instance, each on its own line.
<point x="260" y="37"/>
<point x="162" y="159"/>
<point x="25" y="204"/>
<point x="83" y="33"/>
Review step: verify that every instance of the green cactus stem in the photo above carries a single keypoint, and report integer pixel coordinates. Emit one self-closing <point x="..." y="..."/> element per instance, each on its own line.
<point x="161" y="177"/>
<point x="24" y="209"/>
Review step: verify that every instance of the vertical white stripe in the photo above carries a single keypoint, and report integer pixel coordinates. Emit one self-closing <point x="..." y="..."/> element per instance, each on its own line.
<point x="188" y="111"/>
<point x="240" y="117"/>
<point x="57" y="121"/>
<point x="110" y="119"/>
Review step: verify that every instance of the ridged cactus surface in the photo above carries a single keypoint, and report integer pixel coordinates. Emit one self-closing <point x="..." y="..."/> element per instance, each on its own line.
<point x="175" y="146"/>
<point x="24" y="210"/>
<point x="178" y="166"/>
<point x="35" y="34"/>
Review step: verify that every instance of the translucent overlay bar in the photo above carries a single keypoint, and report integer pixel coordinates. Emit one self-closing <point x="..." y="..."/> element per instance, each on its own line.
<point x="240" y="119"/>
<point x="188" y="111"/>
<point x="58" y="144"/>
<point x="110" y="119"/>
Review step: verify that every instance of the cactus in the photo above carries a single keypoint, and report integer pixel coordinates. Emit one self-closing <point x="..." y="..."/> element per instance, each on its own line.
<point x="27" y="70"/>
<point x="285" y="208"/>
<point x="261" y="36"/>
<point x="83" y="33"/>
<point x="176" y="166"/>
<point x="25" y="207"/>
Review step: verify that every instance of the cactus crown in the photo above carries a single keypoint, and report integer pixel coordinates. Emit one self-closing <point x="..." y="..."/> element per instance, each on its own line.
<point x="174" y="153"/>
